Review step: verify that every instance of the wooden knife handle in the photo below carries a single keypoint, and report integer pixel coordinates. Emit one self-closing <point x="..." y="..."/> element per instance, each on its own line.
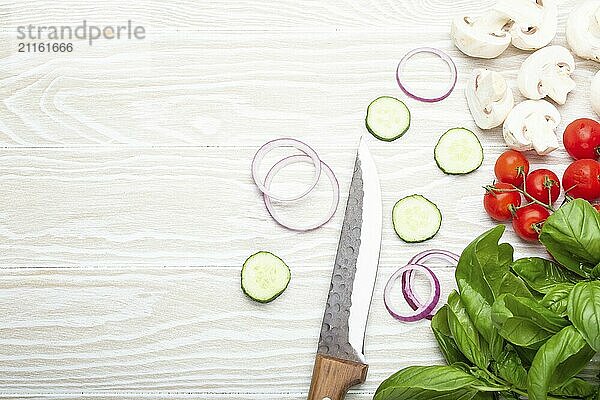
<point x="333" y="377"/>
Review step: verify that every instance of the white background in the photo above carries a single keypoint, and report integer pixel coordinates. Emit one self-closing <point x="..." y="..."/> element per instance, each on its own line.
<point x="127" y="205"/>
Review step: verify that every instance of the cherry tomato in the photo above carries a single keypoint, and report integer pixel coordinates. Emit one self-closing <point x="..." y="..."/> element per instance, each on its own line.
<point x="498" y="204"/>
<point x="511" y="167"/>
<point x="582" y="179"/>
<point x="543" y="185"/>
<point x="582" y="139"/>
<point x="597" y="207"/>
<point x="528" y="221"/>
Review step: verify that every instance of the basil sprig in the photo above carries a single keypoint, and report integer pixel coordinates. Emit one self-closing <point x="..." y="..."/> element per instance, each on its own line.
<point x="521" y="328"/>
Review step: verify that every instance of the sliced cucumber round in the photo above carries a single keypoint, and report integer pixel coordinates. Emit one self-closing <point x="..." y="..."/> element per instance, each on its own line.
<point x="264" y="276"/>
<point x="387" y="118"/>
<point x="458" y="152"/>
<point x="416" y="219"/>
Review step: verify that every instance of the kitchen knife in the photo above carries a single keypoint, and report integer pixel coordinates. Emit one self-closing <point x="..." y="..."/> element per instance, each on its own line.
<point x="340" y="362"/>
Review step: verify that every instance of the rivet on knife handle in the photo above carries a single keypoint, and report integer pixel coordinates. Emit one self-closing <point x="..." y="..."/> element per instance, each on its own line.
<point x="332" y="377"/>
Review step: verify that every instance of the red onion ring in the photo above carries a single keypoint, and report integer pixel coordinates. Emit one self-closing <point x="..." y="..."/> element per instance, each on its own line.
<point x="424" y="310"/>
<point x="421" y="258"/>
<point x="292" y="160"/>
<point x="285" y="142"/>
<point x="438" y="53"/>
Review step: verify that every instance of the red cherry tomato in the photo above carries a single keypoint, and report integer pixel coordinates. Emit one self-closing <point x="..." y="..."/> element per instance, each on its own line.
<point x="528" y="221"/>
<point x="597" y="207"/>
<point x="511" y="167"/>
<point x="582" y="179"/>
<point x="543" y="185"/>
<point x="498" y="204"/>
<point x="582" y="139"/>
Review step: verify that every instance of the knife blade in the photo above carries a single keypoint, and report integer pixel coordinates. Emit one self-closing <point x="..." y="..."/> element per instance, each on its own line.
<point x="340" y="361"/>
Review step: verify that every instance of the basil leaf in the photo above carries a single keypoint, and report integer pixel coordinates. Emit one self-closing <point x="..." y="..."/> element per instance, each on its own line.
<point x="441" y="331"/>
<point x="509" y="396"/>
<point x="584" y="311"/>
<point x="434" y="382"/>
<point x="525" y="322"/>
<point x="511" y="369"/>
<point x="482" y="274"/>
<point x="465" y="334"/>
<point x="483" y="396"/>
<point x="563" y="356"/>
<point x="526" y="355"/>
<point x="572" y="236"/>
<point x="575" y="387"/>
<point x="556" y="298"/>
<point x="540" y="274"/>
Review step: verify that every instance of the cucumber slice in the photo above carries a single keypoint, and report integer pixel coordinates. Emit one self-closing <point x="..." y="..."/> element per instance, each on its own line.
<point x="416" y="219"/>
<point x="264" y="276"/>
<point x="458" y="152"/>
<point x="387" y="118"/>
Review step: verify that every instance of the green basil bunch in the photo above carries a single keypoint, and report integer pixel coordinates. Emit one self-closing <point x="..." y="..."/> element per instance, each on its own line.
<point x="517" y="328"/>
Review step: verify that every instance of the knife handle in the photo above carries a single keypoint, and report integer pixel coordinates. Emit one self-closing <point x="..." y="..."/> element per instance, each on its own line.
<point x="332" y="377"/>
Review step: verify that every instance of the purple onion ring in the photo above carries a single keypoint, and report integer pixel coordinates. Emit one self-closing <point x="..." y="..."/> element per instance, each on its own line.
<point x="285" y="142"/>
<point x="438" y="53"/>
<point x="422" y="311"/>
<point x="292" y="160"/>
<point x="413" y="301"/>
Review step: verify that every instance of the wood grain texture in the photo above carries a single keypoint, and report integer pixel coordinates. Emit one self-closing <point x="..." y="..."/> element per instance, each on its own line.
<point x="128" y="206"/>
<point x="199" y="206"/>
<point x="184" y="330"/>
<point x="245" y="15"/>
<point x="218" y="89"/>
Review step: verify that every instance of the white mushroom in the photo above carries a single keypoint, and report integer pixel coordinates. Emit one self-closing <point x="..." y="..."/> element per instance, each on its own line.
<point x="489" y="98"/>
<point x="534" y="21"/>
<point x="547" y="73"/>
<point x="583" y="30"/>
<point x="530" y="125"/>
<point x="595" y="92"/>
<point x="482" y="37"/>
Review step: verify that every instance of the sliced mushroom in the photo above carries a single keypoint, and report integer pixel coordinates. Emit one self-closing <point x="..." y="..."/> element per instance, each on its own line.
<point x="583" y="30"/>
<point x="534" y="21"/>
<point x="489" y="98"/>
<point x="530" y="125"/>
<point x="547" y="73"/>
<point x="482" y="37"/>
<point x="595" y="92"/>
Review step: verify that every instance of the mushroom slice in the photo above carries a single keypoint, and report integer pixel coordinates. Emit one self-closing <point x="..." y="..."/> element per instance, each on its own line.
<point x="482" y="37"/>
<point x="583" y="30"/>
<point x="547" y="73"/>
<point x="530" y="126"/>
<point x="489" y="98"/>
<point x="595" y="92"/>
<point x="534" y="21"/>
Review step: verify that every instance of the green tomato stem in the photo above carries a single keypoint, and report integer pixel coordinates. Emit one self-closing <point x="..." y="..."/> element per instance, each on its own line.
<point x="527" y="195"/>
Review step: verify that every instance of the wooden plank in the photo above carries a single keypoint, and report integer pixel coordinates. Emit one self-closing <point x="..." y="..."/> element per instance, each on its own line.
<point x="177" y="331"/>
<point x="211" y="89"/>
<point x="199" y="206"/>
<point x="186" y="330"/>
<point x="245" y="15"/>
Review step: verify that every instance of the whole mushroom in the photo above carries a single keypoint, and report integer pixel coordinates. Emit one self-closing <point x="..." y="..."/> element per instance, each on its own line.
<point x="534" y="22"/>
<point x="489" y="98"/>
<point x="583" y="30"/>
<point x="483" y="37"/>
<point x="530" y="126"/>
<point x="547" y="73"/>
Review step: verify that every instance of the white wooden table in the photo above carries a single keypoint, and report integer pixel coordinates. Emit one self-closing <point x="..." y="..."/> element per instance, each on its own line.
<point x="128" y="205"/>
